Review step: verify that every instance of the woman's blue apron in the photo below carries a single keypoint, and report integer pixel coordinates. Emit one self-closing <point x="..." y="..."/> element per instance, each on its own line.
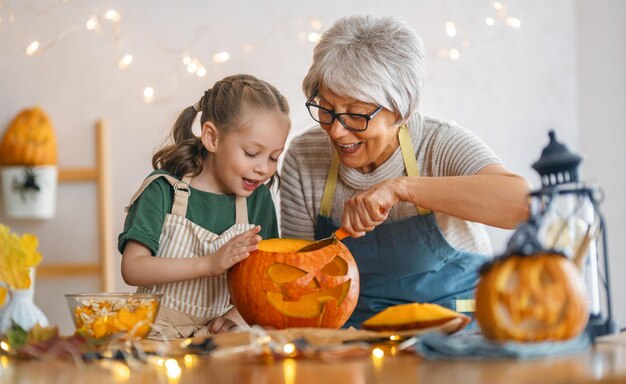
<point x="405" y="261"/>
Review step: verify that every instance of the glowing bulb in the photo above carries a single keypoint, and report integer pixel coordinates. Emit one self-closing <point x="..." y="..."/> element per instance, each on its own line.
<point x="125" y="61"/>
<point x="172" y="369"/>
<point x="378" y="353"/>
<point x="201" y="72"/>
<point x="316" y="24"/>
<point x="189" y="360"/>
<point x="450" y="29"/>
<point x="314" y="37"/>
<point x="5" y="346"/>
<point x="289" y="348"/>
<point x="92" y="23"/>
<point x="148" y="97"/>
<point x="394" y="337"/>
<point x="512" y="22"/>
<point x="497" y="5"/>
<point x="221" y="57"/>
<point x="187" y="60"/>
<point x="489" y="21"/>
<point x="112" y="15"/>
<point x="192" y="67"/>
<point x="121" y="372"/>
<point x="454" y="54"/>
<point x="32" y="48"/>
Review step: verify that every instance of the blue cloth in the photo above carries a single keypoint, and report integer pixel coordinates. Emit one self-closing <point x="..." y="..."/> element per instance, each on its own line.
<point x="438" y="346"/>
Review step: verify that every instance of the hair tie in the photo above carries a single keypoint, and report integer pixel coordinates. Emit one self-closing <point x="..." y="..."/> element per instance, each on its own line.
<point x="196" y="106"/>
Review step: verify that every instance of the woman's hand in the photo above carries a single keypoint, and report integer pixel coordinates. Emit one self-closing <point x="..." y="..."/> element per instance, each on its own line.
<point x="235" y="250"/>
<point x="367" y="209"/>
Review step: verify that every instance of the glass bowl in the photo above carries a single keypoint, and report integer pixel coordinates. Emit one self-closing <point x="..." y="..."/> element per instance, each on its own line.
<point x="99" y="315"/>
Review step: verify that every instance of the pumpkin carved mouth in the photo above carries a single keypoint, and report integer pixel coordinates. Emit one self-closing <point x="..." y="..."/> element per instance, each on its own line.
<point x="310" y="305"/>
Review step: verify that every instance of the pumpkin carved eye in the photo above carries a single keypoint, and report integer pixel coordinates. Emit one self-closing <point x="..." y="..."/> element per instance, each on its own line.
<point x="283" y="273"/>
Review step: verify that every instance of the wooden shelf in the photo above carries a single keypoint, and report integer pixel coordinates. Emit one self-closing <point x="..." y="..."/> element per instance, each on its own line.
<point x="100" y="175"/>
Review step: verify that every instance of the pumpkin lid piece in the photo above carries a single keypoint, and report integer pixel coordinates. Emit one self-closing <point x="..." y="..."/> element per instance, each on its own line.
<point x="413" y="316"/>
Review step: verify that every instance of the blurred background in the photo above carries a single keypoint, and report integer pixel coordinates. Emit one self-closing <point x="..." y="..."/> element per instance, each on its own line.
<point x="509" y="71"/>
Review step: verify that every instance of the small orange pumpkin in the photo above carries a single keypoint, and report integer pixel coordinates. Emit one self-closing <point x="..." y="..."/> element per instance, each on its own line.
<point x="279" y="287"/>
<point x="533" y="297"/>
<point x="29" y="140"/>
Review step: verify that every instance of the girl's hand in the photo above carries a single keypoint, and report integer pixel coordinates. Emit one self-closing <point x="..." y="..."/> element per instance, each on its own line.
<point x="236" y="249"/>
<point x="367" y="209"/>
<point x="222" y="325"/>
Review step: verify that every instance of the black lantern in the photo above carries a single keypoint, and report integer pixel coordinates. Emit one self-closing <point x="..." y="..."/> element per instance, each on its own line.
<point x="568" y="219"/>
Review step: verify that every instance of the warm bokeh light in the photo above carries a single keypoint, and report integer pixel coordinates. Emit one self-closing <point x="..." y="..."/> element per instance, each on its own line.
<point x="125" y="61"/>
<point x="172" y="369"/>
<point x="148" y="94"/>
<point x="112" y="15"/>
<point x="454" y="54"/>
<point x="289" y="348"/>
<point x="5" y="346"/>
<point x="512" y="22"/>
<point x="221" y="57"/>
<point x="314" y="37"/>
<point x="378" y="353"/>
<point x="497" y="5"/>
<point x="32" y="48"/>
<point x="201" y="72"/>
<point x="490" y="21"/>
<point x="92" y="23"/>
<point x="289" y="371"/>
<point x="450" y="28"/>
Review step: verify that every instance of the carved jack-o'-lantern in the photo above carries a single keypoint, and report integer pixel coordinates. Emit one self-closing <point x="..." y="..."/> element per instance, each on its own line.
<point x="279" y="287"/>
<point x="531" y="298"/>
<point x="29" y="140"/>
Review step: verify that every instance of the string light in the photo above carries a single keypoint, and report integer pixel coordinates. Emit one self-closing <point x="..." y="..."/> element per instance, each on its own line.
<point x="172" y="369"/>
<point x="314" y="37"/>
<point x="113" y="15"/>
<point x="221" y="57"/>
<point x="32" y="48"/>
<point x="512" y="22"/>
<point x="148" y="95"/>
<point x="201" y="72"/>
<point x="5" y="346"/>
<point x="454" y="54"/>
<point x="490" y="21"/>
<point x="125" y="61"/>
<point x="92" y="23"/>
<point x="450" y="28"/>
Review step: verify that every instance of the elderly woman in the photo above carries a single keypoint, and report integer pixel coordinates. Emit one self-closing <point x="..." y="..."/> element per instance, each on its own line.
<point x="412" y="190"/>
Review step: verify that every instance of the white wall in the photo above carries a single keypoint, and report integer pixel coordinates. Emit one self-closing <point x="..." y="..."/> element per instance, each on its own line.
<point x="602" y="119"/>
<point x="509" y="85"/>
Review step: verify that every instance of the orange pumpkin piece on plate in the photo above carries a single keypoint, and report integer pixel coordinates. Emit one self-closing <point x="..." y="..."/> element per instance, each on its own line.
<point x="413" y="316"/>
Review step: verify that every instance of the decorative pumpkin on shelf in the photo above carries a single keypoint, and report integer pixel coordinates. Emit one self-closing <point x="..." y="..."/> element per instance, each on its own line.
<point x="531" y="294"/>
<point x="28" y="156"/>
<point x="279" y="287"/>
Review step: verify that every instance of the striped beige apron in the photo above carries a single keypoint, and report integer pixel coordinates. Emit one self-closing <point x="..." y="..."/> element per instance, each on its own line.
<point x="188" y="306"/>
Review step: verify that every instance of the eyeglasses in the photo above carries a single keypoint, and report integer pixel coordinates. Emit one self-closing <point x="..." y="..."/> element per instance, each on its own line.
<point x="351" y="121"/>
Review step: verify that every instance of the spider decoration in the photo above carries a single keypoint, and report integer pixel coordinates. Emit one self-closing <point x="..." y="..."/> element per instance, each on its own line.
<point x="28" y="186"/>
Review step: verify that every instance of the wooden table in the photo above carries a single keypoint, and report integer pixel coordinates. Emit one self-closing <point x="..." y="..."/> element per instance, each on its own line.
<point x="604" y="363"/>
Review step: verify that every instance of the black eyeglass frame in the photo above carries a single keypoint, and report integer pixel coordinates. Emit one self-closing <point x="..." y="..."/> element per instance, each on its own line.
<point x="335" y="115"/>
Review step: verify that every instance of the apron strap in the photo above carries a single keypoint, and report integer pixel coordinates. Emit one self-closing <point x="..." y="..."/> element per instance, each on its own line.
<point x="181" y="192"/>
<point x="241" y="210"/>
<point x="410" y="163"/>
<point x="329" y="187"/>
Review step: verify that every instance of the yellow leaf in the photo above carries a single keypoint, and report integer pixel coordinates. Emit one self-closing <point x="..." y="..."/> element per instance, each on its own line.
<point x="3" y="295"/>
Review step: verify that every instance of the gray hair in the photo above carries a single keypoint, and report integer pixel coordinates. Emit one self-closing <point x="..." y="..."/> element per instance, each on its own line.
<point x="378" y="60"/>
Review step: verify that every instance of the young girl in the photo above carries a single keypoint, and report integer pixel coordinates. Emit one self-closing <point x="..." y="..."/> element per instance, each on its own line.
<point x="206" y="207"/>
